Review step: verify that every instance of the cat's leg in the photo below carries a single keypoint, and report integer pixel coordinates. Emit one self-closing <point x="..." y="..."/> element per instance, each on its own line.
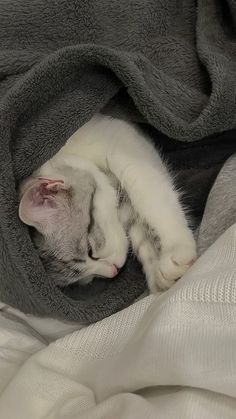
<point x="147" y="183"/>
<point x="146" y="248"/>
<point x="106" y="215"/>
<point x="148" y="256"/>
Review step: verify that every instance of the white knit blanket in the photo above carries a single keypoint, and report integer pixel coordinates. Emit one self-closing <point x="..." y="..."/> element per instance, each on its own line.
<point x="168" y="357"/>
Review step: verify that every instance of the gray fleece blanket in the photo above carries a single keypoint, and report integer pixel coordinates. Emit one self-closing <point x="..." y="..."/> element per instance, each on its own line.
<point x="63" y="60"/>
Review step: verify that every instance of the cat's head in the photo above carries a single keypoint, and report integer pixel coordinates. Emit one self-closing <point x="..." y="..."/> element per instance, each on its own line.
<point x="65" y="230"/>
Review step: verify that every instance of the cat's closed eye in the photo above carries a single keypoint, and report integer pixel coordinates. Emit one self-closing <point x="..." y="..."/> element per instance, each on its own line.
<point x="90" y="254"/>
<point x="78" y="260"/>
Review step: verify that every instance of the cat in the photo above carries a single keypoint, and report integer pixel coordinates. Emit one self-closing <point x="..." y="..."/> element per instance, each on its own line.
<point x="107" y="189"/>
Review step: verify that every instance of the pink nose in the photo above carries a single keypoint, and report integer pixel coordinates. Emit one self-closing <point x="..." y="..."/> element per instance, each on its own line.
<point x="192" y="262"/>
<point x="115" y="270"/>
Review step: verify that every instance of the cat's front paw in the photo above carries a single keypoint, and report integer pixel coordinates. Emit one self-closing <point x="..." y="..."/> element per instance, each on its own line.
<point x="115" y="248"/>
<point x="175" y="260"/>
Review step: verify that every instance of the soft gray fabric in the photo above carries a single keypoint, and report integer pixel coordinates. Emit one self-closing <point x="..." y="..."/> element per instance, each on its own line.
<point x="220" y="211"/>
<point x="63" y="60"/>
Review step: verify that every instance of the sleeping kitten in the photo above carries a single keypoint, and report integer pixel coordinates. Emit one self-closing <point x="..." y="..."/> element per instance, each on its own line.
<point x="105" y="189"/>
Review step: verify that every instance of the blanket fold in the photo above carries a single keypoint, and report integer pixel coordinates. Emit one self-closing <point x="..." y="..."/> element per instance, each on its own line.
<point x="64" y="60"/>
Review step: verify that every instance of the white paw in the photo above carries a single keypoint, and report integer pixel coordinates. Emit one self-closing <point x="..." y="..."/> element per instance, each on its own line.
<point x="175" y="261"/>
<point x="172" y="263"/>
<point x="115" y="249"/>
<point x="155" y="280"/>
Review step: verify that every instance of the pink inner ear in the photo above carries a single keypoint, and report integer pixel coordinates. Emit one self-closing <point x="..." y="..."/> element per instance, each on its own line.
<point x="40" y="202"/>
<point x="51" y="183"/>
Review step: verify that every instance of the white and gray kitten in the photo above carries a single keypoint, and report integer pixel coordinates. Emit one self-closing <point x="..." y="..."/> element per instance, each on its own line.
<point x="106" y="189"/>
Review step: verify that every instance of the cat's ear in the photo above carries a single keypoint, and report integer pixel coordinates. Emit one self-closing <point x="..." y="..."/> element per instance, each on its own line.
<point x="42" y="203"/>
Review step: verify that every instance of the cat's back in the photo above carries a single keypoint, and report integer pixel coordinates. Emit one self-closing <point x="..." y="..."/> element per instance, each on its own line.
<point x="98" y="138"/>
<point x="93" y="140"/>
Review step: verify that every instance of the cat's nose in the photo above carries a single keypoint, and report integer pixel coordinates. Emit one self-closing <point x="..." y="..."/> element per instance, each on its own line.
<point x="115" y="270"/>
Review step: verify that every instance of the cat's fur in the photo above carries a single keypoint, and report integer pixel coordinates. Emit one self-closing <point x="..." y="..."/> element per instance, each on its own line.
<point x="106" y="188"/>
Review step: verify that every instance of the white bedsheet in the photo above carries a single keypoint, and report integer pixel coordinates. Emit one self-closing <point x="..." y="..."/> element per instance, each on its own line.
<point x="170" y="357"/>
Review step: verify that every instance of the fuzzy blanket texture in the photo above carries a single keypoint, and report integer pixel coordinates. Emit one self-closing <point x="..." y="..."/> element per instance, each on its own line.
<point x="168" y="64"/>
